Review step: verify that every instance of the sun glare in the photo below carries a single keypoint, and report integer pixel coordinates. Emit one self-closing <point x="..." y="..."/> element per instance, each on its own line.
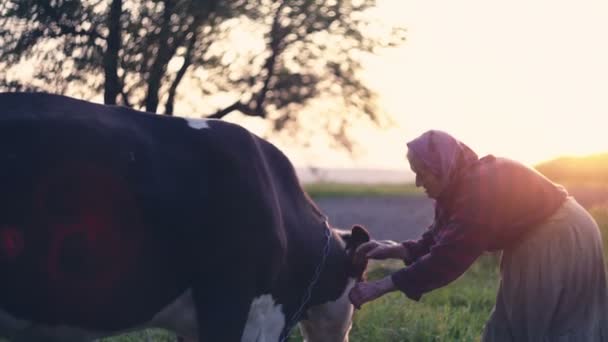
<point x="518" y="79"/>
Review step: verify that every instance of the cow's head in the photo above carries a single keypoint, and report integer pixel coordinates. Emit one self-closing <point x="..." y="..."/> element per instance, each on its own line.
<point x="332" y="321"/>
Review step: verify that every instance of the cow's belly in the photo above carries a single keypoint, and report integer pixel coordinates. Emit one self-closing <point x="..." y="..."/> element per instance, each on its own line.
<point x="265" y="320"/>
<point x="179" y="316"/>
<point x="23" y="330"/>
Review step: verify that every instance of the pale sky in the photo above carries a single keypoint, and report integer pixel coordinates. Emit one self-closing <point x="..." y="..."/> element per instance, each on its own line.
<point x="525" y="79"/>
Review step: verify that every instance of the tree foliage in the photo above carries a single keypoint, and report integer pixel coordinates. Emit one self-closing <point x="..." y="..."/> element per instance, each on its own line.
<point x="137" y="53"/>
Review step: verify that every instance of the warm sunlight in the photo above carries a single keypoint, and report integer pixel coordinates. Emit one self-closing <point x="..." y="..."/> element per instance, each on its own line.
<point x="525" y="80"/>
<point x="518" y="79"/>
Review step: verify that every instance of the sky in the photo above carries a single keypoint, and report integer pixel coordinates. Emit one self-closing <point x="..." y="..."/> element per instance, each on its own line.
<point x="524" y="79"/>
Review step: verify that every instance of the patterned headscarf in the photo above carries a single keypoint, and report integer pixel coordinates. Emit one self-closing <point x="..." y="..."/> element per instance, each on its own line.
<point x="442" y="154"/>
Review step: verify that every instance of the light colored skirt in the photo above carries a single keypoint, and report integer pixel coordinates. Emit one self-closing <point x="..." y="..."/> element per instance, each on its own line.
<point x="553" y="283"/>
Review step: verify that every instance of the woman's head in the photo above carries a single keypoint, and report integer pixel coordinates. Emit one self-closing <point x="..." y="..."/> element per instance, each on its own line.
<point x="436" y="158"/>
<point x="424" y="176"/>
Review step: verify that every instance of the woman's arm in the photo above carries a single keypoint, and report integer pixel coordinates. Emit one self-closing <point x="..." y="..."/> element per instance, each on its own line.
<point x="456" y="248"/>
<point x="441" y="255"/>
<point x="380" y="250"/>
<point x="416" y="249"/>
<point x="454" y="251"/>
<point x="408" y="251"/>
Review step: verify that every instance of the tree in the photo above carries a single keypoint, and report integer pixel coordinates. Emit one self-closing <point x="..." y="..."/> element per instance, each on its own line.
<point x="305" y="50"/>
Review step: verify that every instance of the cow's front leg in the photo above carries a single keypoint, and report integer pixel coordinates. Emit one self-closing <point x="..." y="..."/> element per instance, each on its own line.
<point x="222" y="309"/>
<point x="236" y="313"/>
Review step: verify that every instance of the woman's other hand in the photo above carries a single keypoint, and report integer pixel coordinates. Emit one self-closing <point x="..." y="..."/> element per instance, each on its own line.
<point x="367" y="291"/>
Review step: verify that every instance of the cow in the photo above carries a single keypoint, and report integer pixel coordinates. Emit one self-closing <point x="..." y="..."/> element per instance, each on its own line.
<point x="115" y="220"/>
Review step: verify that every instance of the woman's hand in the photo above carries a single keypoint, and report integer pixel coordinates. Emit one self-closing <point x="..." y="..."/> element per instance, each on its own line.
<point x="367" y="291"/>
<point x="380" y="250"/>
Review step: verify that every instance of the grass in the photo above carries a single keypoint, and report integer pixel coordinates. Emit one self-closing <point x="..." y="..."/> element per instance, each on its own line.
<point x="150" y="335"/>
<point x="456" y="312"/>
<point x="318" y="190"/>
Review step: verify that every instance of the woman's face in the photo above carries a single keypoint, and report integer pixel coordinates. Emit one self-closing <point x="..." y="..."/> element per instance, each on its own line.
<point x="424" y="177"/>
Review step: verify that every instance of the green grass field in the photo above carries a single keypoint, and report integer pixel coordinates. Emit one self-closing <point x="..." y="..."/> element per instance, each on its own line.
<point x="318" y="190"/>
<point x="454" y="313"/>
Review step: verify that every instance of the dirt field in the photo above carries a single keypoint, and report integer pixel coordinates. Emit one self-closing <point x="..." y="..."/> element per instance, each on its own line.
<point x="394" y="218"/>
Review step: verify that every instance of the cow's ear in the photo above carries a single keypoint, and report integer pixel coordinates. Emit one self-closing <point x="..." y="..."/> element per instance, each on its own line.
<point x="358" y="236"/>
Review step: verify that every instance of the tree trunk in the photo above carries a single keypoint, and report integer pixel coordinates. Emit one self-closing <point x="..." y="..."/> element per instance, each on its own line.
<point x="277" y="35"/>
<point x="165" y="53"/>
<point x="110" y="59"/>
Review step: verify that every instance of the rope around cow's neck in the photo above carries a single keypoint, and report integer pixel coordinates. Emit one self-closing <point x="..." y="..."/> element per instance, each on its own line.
<point x="306" y="298"/>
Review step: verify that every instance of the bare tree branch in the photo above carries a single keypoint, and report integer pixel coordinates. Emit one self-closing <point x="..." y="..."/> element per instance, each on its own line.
<point x="276" y="38"/>
<point x="188" y="56"/>
<point x="256" y="108"/>
<point x="239" y="106"/>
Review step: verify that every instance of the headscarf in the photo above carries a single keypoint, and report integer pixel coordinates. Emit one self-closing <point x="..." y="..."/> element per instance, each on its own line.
<point x="443" y="154"/>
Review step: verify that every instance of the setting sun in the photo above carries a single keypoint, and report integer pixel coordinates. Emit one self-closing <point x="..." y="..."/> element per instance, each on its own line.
<point x="517" y="79"/>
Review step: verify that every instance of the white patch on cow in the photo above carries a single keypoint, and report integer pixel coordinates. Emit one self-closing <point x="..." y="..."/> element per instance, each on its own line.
<point x="264" y="322"/>
<point x="179" y="316"/>
<point x="330" y="321"/>
<point x="198" y="123"/>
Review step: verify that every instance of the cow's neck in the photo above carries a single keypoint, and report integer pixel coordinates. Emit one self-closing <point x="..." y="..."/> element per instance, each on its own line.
<point x="331" y="262"/>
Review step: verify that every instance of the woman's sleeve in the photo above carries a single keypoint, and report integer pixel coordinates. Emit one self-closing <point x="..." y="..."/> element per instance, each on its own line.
<point x="456" y="248"/>
<point x="417" y="249"/>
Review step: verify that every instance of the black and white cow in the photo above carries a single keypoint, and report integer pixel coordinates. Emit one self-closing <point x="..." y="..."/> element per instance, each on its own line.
<point x="114" y="220"/>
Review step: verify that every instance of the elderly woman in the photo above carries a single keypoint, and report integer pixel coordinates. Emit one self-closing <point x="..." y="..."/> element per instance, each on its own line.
<point x="553" y="282"/>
